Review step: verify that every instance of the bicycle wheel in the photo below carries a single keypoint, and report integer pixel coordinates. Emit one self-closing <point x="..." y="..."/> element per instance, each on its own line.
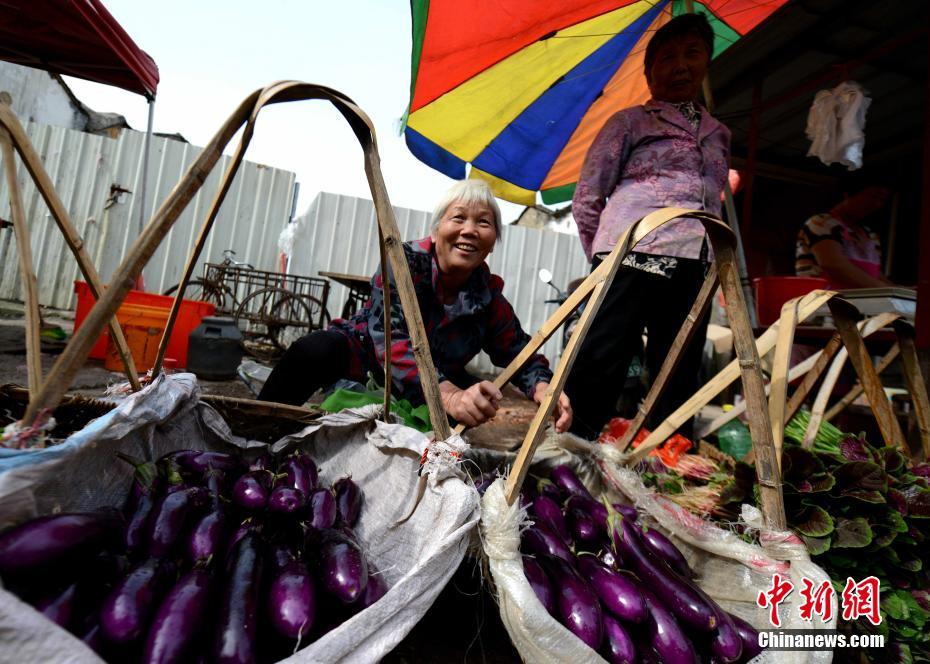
<point x="201" y="291"/>
<point x="271" y="319"/>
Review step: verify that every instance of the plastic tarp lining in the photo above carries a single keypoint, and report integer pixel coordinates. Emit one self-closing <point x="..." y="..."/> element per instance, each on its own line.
<point x="77" y="38"/>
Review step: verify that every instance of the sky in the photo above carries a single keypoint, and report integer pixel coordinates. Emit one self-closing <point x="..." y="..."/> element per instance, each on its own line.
<point x="211" y="54"/>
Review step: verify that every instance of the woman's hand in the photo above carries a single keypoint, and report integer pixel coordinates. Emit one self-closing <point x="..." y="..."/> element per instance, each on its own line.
<point x="562" y="414"/>
<point x="473" y="406"/>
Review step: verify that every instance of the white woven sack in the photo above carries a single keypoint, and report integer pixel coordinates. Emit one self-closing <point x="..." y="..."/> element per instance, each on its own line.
<point x="730" y="570"/>
<point x="417" y="557"/>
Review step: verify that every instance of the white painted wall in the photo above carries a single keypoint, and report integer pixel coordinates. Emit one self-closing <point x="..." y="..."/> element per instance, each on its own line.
<point x="37" y="97"/>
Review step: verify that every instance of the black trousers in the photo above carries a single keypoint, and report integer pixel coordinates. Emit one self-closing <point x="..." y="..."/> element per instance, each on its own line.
<point x="636" y="301"/>
<point x="314" y="361"/>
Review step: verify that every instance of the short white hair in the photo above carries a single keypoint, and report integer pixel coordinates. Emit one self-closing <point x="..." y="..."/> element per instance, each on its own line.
<point x="468" y="191"/>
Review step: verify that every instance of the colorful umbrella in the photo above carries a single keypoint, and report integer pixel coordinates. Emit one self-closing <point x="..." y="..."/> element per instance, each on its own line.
<point x="520" y="88"/>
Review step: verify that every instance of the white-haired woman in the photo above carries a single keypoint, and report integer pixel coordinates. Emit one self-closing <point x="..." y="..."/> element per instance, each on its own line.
<point x="464" y="312"/>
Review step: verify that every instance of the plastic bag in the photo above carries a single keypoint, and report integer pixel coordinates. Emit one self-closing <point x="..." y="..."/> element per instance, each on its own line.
<point x="417" y="557"/>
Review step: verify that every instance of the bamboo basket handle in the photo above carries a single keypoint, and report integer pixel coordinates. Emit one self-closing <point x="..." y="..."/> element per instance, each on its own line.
<point x="46" y="188"/>
<point x="845" y="315"/>
<point x="811" y="368"/>
<point x="915" y="382"/>
<point x="73" y="357"/>
<point x="810" y="303"/>
<point x="778" y="386"/>
<point x="596" y="285"/>
<point x="27" y="271"/>
<point x="893" y="353"/>
<point x="865" y="328"/>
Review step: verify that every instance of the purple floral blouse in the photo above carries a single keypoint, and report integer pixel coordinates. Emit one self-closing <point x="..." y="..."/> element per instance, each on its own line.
<point x="481" y="318"/>
<point x="646" y="158"/>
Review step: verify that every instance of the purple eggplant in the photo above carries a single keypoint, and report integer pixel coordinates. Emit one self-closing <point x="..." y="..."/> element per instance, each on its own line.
<point x="138" y="528"/>
<point x="748" y="635"/>
<point x="125" y="612"/>
<point x="179" y="619"/>
<point x="309" y="464"/>
<point x="93" y="638"/>
<point x="322" y="509"/>
<point x="677" y="593"/>
<point x="586" y="533"/>
<point x="285" y="500"/>
<point x="263" y="461"/>
<point x="483" y="482"/>
<point x="550" y="489"/>
<point x="348" y="500"/>
<point x="171" y="517"/>
<point x="343" y="569"/>
<point x="238" y="621"/>
<point x="542" y="540"/>
<point x="60" y="608"/>
<point x="577" y="606"/>
<point x="665" y="634"/>
<point x="204" y="461"/>
<point x="727" y="644"/>
<point x="298" y="474"/>
<point x="566" y="479"/>
<point x="251" y="490"/>
<point x="279" y="556"/>
<point x="292" y="601"/>
<point x="540" y="583"/>
<point x="592" y="508"/>
<point x="216" y="483"/>
<point x="375" y="589"/>
<point x="247" y="527"/>
<point x="207" y="537"/>
<point x="547" y="511"/>
<point x="627" y="511"/>
<point x="47" y="540"/>
<point x="620" y="593"/>
<point x="618" y="646"/>
<point x="662" y="546"/>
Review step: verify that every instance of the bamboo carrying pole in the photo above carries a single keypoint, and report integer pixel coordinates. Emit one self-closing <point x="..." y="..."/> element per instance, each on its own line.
<point x="681" y="342"/>
<point x="26" y="269"/>
<point x="75" y="243"/>
<point x="74" y="355"/>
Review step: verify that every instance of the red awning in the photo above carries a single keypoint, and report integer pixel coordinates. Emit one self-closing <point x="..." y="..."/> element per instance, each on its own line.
<point x="77" y="38"/>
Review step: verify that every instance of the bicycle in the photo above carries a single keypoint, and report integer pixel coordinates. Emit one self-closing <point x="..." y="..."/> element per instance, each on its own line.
<point x="271" y="309"/>
<point x="212" y="287"/>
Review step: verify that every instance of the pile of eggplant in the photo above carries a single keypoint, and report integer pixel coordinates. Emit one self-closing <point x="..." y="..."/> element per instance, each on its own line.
<point x="621" y="587"/>
<point x="213" y="558"/>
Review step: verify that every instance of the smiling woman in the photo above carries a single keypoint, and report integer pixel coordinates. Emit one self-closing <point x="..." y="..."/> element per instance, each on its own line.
<point x="464" y="312"/>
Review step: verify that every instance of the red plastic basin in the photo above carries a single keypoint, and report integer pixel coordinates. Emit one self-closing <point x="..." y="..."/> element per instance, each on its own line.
<point x="189" y="317"/>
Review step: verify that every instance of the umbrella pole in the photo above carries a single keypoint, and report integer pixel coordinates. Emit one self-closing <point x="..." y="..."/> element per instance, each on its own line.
<point x="730" y="206"/>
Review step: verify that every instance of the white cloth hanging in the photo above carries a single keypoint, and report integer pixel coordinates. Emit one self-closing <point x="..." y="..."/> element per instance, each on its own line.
<point x="836" y="125"/>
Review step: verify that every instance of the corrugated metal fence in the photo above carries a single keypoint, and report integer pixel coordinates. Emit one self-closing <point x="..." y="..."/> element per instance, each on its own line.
<point x="340" y="234"/>
<point x="96" y="176"/>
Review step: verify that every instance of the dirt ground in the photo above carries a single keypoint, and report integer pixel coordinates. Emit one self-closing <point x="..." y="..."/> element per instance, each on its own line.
<point x="506" y="431"/>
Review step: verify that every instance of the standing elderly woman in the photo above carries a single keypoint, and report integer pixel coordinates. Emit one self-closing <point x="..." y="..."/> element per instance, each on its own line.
<point x="464" y="312"/>
<point x="667" y="152"/>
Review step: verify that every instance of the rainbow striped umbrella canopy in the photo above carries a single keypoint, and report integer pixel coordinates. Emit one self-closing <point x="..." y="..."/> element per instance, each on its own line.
<point x="518" y="89"/>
